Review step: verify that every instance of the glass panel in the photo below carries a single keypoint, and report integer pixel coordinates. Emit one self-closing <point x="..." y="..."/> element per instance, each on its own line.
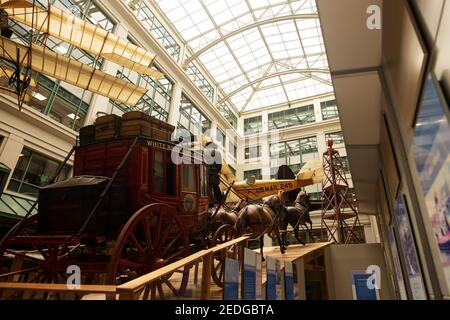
<point x="329" y="110"/>
<point x="220" y="138"/>
<point x="22" y="164"/>
<point x="255" y="53"/>
<point x="225" y="110"/>
<point x="253" y="125"/>
<point x="188" y="178"/>
<point x="191" y="118"/>
<point x="338" y="137"/>
<point x="291" y="117"/>
<point x="158" y="172"/>
<point x="156" y="29"/>
<point x="253" y="173"/>
<point x="34" y="170"/>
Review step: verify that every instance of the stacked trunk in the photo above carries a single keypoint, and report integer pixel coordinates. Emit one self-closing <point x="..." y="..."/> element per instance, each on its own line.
<point x="131" y="124"/>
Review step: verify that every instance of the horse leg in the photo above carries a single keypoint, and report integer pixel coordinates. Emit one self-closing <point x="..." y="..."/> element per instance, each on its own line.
<point x="297" y="236"/>
<point x="277" y="232"/>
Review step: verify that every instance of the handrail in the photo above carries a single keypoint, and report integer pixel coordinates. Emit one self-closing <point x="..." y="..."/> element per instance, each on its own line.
<point x="131" y="289"/>
<point x="229" y="243"/>
<point x="140" y="282"/>
<point x="57" y="287"/>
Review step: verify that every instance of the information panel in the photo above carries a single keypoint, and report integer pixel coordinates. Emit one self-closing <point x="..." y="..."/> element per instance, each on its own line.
<point x="249" y="279"/>
<point x="288" y="280"/>
<point x="231" y="280"/>
<point x="273" y="279"/>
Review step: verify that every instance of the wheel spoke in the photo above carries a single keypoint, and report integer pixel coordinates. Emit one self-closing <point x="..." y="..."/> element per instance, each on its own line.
<point x="18" y="253"/>
<point x="219" y="264"/>
<point x="147" y="231"/>
<point x="160" y="290"/>
<point x="137" y="244"/>
<point x="171" y="287"/>
<point x="130" y="264"/>
<point x="156" y="240"/>
<point x="163" y="240"/>
<point x="168" y="247"/>
<point x="19" y="272"/>
<point x="221" y="274"/>
<point x="176" y="254"/>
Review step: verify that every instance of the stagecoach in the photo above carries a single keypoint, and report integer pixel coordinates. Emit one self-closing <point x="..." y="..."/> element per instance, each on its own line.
<point x="129" y="209"/>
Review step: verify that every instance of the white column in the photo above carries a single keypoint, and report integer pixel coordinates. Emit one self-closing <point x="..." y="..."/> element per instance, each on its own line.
<point x="12" y="149"/>
<point x="317" y="111"/>
<point x="321" y="144"/>
<point x="174" y="111"/>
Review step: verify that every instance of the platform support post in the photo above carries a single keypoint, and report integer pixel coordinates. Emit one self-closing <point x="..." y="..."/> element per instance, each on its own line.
<point x="205" y="290"/>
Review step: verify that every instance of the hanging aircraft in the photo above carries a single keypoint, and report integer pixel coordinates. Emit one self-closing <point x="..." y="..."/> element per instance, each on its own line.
<point x="19" y="59"/>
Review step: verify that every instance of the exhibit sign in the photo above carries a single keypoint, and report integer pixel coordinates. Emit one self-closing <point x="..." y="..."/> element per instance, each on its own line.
<point x="288" y="280"/>
<point x="397" y="265"/>
<point x="273" y="279"/>
<point x="258" y="282"/>
<point x="409" y="249"/>
<point x="431" y="151"/>
<point x="361" y="289"/>
<point x="249" y="279"/>
<point x="231" y="280"/>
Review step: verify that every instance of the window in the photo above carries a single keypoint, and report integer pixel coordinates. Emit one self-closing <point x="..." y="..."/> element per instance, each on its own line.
<point x="253" y="173"/>
<point x="220" y="138"/>
<point x="191" y="118"/>
<point x="33" y="171"/>
<point x="199" y="79"/>
<point x="329" y="110"/>
<point x="291" y="117"/>
<point x="156" y="101"/>
<point x="253" y="125"/>
<point x="158" y="172"/>
<point x="203" y="181"/>
<point x="57" y="99"/>
<point x="297" y="147"/>
<point x="225" y="110"/>
<point x="188" y="178"/>
<point x="345" y="165"/>
<point x="338" y="137"/>
<point x="252" y="152"/>
<point x="232" y="149"/>
<point x="157" y="30"/>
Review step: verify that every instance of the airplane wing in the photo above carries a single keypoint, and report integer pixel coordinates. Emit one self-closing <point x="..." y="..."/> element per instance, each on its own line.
<point x="71" y="71"/>
<point x="311" y="173"/>
<point x="85" y="35"/>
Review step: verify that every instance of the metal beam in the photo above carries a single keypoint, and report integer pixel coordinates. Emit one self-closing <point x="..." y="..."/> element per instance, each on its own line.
<point x="276" y="74"/>
<point x="245" y="28"/>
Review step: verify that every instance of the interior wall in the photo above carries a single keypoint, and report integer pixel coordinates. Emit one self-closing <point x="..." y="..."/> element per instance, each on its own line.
<point x="416" y="41"/>
<point x="354" y="257"/>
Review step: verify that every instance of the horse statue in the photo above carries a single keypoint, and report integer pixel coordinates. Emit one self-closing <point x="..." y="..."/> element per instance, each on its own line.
<point x="229" y="215"/>
<point x="261" y="219"/>
<point x="296" y="216"/>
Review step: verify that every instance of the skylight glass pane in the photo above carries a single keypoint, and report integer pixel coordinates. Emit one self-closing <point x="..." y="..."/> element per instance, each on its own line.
<point x="253" y="67"/>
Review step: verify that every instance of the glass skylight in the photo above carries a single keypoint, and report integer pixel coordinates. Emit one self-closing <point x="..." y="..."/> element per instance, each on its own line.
<point x="259" y="52"/>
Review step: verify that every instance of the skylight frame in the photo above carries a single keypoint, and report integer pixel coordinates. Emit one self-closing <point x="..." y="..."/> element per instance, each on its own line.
<point x="260" y="54"/>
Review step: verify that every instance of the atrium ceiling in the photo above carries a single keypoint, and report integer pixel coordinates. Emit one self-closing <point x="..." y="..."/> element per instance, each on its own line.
<point x="260" y="53"/>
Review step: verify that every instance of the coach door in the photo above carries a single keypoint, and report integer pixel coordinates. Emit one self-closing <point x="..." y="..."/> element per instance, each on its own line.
<point x="189" y="192"/>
